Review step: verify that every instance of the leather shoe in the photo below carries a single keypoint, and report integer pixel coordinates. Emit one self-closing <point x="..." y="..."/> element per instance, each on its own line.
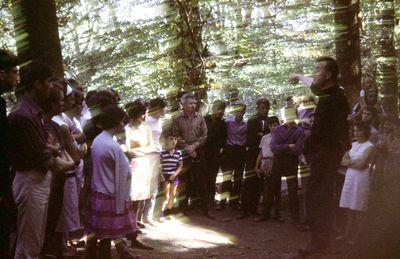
<point x="209" y="215"/>
<point x="137" y="244"/>
<point x="261" y="218"/>
<point x="241" y="215"/>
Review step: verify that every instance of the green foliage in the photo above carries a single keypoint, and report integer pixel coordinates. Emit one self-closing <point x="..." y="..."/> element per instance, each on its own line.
<point x="249" y="46"/>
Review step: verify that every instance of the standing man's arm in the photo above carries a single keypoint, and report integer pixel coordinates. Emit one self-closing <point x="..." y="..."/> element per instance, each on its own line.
<point x="202" y="135"/>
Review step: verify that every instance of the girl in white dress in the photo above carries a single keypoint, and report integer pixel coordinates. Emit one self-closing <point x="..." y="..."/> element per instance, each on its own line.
<point x="356" y="186"/>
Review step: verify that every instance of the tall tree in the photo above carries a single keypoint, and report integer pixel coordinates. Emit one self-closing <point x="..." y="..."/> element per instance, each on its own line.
<point x="387" y="76"/>
<point x="191" y="50"/>
<point x="36" y="28"/>
<point x="347" y="45"/>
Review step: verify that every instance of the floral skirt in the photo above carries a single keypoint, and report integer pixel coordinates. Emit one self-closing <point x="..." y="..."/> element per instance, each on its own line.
<point x="103" y="220"/>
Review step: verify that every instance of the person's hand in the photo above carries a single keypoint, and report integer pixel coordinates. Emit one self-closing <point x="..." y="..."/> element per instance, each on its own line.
<point x="190" y="149"/>
<point x="193" y="154"/>
<point x="172" y="177"/>
<point x="221" y="151"/>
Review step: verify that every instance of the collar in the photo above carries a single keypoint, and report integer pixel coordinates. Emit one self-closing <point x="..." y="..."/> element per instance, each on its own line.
<point x="194" y="116"/>
<point x="32" y="106"/>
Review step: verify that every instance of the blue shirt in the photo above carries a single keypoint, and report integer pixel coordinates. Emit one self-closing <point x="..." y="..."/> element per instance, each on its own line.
<point x="236" y="133"/>
<point x="283" y="136"/>
<point x="170" y="162"/>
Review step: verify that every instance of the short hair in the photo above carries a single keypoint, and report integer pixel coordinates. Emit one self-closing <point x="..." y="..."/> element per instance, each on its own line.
<point x="55" y="94"/>
<point x="75" y="84"/>
<point x="272" y="120"/>
<point x="371" y="109"/>
<point x="157" y="104"/>
<point x="7" y="60"/>
<point x="218" y="105"/>
<point x="33" y="72"/>
<point x="78" y="96"/>
<point x="89" y="95"/>
<point x="101" y="98"/>
<point x="331" y="65"/>
<point x="364" y="127"/>
<point x="187" y="96"/>
<point x="263" y="101"/>
<point x="136" y="108"/>
<point x="111" y="115"/>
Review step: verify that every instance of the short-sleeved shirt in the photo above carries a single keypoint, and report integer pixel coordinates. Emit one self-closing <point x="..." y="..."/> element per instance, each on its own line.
<point x="170" y="162"/>
<point x="265" y="145"/>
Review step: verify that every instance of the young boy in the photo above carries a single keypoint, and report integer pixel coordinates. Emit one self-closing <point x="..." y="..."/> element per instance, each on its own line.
<point x="171" y="166"/>
<point x="264" y="166"/>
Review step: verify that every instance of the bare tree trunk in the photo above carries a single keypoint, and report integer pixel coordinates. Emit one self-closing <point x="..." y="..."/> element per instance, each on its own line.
<point x="387" y="76"/>
<point x="347" y="42"/>
<point x="36" y="27"/>
<point x="191" y="50"/>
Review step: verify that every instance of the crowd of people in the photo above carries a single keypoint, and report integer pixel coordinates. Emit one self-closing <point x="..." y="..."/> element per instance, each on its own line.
<point x="73" y="160"/>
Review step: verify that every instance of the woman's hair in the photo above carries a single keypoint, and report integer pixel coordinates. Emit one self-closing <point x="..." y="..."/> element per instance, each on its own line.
<point x="364" y="127"/>
<point x="136" y="109"/>
<point x="55" y="95"/>
<point x="110" y="116"/>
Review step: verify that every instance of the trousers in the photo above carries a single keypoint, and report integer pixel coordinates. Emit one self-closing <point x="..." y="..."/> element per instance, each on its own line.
<point x="31" y="190"/>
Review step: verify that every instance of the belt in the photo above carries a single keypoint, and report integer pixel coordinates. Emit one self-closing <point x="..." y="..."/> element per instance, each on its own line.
<point x="267" y="157"/>
<point x="68" y="175"/>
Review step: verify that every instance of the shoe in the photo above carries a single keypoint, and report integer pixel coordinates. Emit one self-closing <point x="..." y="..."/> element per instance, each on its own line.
<point x="140" y="225"/>
<point x="261" y="218"/>
<point x="139" y="245"/>
<point x="279" y="219"/>
<point x="241" y="215"/>
<point x="309" y="250"/>
<point x="148" y="222"/>
<point x="219" y="207"/>
<point x="209" y="215"/>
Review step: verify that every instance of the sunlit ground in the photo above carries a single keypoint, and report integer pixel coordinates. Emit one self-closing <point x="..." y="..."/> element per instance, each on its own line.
<point x="180" y="234"/>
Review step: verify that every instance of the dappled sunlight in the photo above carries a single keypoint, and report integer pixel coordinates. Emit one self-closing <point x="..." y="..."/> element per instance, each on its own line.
<point x="182" y="235"/>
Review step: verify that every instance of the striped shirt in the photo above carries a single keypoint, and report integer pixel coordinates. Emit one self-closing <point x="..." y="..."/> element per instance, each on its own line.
<point x="170" y="162"/>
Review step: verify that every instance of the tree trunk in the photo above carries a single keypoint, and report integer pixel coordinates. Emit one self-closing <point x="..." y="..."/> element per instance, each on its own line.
<point x="36" y="28"/>
<point x="347" y="43"/>
<point x="387" y="76"/>
<point x="191" y="51"/>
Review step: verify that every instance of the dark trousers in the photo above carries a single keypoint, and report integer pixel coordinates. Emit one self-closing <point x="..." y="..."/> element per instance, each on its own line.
<point x="320" y="196"/>
<point x="272" y="196"/>
<point x="52" y="240"/>
<point x="8" y="216"/>
<point x="340" y="213"/>
<point x="233" y="162"/>
<point x="285" y="165"/>
<point x="194" y="178"/>
<point x="252" y="185"/>
<point x="213" y="162"/>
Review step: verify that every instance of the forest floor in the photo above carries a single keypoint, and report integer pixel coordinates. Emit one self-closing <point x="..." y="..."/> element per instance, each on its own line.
<point x="194" y="236"/>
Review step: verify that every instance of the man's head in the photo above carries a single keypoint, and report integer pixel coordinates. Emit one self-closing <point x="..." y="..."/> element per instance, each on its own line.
<point x="325" y="75"/>
<point x="35" y="81"/>
<point x="369" y="114"/>
<point x="218" y="109"/>
<point x="188" y="102"/>
<point x="288" y="115"/>
<point x="9" y="75"/>
<point x="263" y="106"/>
<point x="239" y="110"/>
<point x="273" y="123"/>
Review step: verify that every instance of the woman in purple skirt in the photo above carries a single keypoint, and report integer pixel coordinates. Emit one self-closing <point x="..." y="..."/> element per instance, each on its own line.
<point x="111" y="212"/>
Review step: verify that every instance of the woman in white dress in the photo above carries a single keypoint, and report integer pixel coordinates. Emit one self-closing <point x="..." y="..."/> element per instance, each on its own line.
<point x="139" y="147"/>
<point x="357" y="183"/>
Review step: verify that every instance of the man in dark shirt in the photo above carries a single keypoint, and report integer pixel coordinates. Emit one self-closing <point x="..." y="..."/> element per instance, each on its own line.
<point x="257" y="127"/>
<point x="9" y="78"/>
<point x="31" y="159"/>
<point x="325" y="146"/>
<point x="215" y="142"/>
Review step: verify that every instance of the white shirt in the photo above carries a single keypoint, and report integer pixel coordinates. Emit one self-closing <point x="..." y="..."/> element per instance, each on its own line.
<point x="111" y="172"/>
<point x="265" y="145"/>
<point x="156" y="129"/>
